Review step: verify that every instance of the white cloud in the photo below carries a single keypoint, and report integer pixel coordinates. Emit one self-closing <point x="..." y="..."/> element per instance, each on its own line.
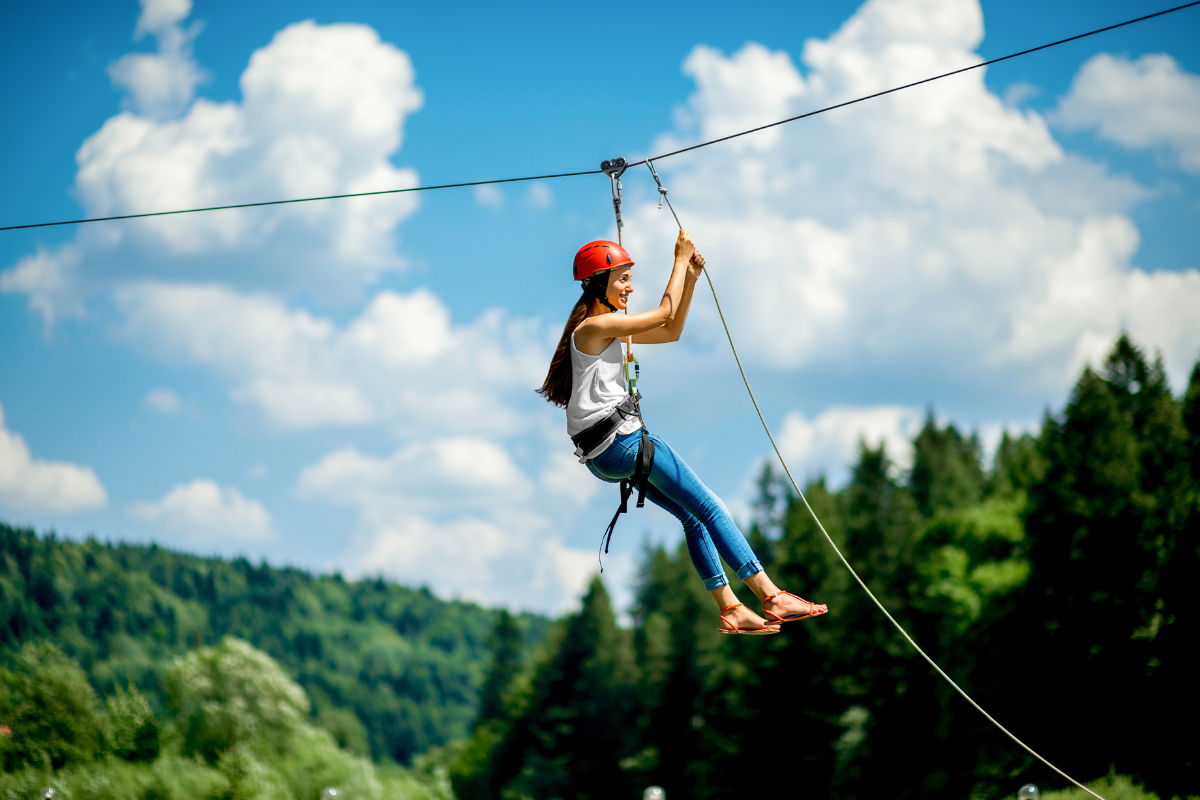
<point x="164" y="401"/>
<point x="160" y="16"/>
<point x="46" y="277"/>
<point x="323" y="109"/>
<point x="458" y="514"/>
<point x="322" y="112"/>
<point x="489" y="195"/>
<point x="829" y="444"/>
<point x="401" y="362"/>
<point x="205" y="512"/>
<point x="479" y="469"/>
<point x="541" y="195"/>
<point x="936" y="226"/>
<point x="1147" y="102"/>
<point x="161" y="84"/>
<point x="36" y="486"/>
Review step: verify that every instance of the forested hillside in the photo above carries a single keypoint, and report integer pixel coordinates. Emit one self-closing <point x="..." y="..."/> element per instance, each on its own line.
<point x="1054" y="585"/>
<point x="390" y="671"/>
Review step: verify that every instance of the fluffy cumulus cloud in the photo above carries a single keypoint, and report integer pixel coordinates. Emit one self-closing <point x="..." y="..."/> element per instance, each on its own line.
<point x="205" y="512"/>
<point x="459" y="514"/>
<point x="160" y="84"/>
<point x="476" y="499"/>
<point x="1146" y="102"/>
<point x="402" y="362"/>
<point x="827" y="444"/>
<point x="934" y="229"/>
<point x="46" y="278"/>
<point x="32" y="485"/>
<point x="322" y="111"/>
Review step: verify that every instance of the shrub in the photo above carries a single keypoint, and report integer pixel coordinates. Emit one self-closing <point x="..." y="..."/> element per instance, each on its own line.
<point x="51" y="710"/>
<point x="133" y="732"/>
<point x="232" y="693"/>
<point x="169" y="778"/>
<point x="1111" y="787"/>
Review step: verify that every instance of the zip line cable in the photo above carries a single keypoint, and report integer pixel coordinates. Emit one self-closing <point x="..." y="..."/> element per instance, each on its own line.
<point x="303" y="199"/>
<point x="662" y="192"/>
<point x="594" y="171"/>
<point x="916" y="83"/>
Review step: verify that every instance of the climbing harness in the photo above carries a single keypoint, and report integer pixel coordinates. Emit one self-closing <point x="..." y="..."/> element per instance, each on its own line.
<point x="592" y="436"/>
<point x="662" y="193"/>
<point x="639" y="479"/>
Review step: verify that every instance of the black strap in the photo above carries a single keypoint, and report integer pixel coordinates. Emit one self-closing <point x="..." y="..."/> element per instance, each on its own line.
<point x="590" y="437"/>
<point x="640" y="479"/>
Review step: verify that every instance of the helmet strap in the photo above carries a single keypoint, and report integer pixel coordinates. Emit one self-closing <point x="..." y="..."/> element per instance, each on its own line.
<point x="596" y="286"/>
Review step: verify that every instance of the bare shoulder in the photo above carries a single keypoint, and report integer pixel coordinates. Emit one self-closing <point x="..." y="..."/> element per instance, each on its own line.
<point x="590" y="338"/>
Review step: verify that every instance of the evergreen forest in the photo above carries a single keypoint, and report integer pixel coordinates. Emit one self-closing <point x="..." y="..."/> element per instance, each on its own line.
<point x="1051" y="584"/>
<point x="1050" y="581"/>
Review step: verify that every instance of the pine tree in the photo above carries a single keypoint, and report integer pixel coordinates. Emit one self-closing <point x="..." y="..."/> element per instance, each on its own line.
<point x="1176" y="619"/>
<point x="1103" y="522"/>
<point x="692" y="697"/>
<point x="947" y="471"/>
<point x="573" y="733"/>
<point x="506" y="646"/>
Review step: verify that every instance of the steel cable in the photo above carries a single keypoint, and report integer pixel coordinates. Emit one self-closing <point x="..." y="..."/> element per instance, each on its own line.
<point x="594" y="171"/>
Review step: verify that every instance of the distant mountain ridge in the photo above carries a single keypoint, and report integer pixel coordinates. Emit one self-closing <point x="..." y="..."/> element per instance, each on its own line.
<point x="390" y="671"/>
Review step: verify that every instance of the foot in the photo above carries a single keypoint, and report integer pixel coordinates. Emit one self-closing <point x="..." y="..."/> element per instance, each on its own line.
<point x="787" y="607"/>
<point x="741" y="618"/>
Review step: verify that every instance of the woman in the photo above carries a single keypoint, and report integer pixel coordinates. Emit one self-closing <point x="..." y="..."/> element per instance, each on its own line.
<point x="585" y="378"/>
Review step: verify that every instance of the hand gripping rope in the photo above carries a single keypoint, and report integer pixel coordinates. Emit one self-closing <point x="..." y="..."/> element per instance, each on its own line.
<point x="662" y="195"/>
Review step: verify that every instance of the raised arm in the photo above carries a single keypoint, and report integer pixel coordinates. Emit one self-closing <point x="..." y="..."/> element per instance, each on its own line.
<point x="671" y="331"/>
<point x="595" y="331"/>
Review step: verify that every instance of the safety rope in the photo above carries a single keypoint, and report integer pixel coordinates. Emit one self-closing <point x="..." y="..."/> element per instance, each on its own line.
<point x="634" y="164"/>
<point x="662" y="193"/>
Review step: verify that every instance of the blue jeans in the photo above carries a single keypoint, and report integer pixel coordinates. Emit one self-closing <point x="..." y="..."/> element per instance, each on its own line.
<point x="674" y="487"/>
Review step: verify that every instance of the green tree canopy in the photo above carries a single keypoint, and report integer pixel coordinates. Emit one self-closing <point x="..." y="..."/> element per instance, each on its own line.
<point x="232" y="693"/>
<point x="50" y="709"/>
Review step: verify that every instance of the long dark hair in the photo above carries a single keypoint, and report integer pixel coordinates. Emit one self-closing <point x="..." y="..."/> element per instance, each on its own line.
<point x="557" y="386"/>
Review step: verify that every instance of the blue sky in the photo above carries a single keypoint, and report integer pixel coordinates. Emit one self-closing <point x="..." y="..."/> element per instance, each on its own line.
<point x="348" y="385"/>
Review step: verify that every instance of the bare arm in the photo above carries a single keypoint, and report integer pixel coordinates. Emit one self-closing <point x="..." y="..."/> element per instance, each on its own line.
<point x="594" y="333"/>
<point x="671" y="331"/>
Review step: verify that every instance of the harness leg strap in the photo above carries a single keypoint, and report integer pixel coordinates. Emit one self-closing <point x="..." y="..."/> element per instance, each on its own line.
<point x="645" y="463"/>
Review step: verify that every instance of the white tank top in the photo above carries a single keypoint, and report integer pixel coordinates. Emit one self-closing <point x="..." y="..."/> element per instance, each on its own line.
<point x="597" y="384"/>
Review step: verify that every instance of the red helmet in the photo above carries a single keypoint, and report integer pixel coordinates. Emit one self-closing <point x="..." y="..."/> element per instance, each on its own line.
<point x="600" y="255"/>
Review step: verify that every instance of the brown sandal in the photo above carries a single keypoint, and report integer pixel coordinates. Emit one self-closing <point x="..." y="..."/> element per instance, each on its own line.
<point x="814" y="609"/>
<point x="735" y="629"/>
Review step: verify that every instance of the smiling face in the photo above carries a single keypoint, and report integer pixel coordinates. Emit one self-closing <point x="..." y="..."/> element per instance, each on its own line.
<point x="620" y="286"/>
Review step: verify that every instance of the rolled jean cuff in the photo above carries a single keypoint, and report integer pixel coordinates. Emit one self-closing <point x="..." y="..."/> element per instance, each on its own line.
<point x="749" y="568"/>
<point x="715" y="582"/>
